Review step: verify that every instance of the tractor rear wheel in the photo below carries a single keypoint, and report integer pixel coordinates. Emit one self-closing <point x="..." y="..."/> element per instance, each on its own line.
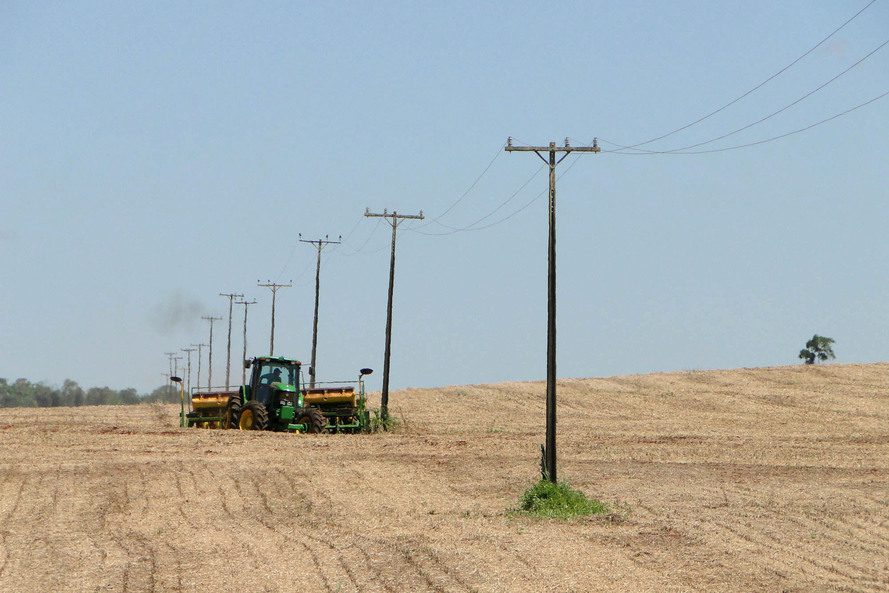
<point x="314" y="420"/>
<point x="232" y="412"/>
<point x="253" y="416"/>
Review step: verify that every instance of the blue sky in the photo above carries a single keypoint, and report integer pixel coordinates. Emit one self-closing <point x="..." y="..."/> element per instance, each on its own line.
<point x="153" y="155"/>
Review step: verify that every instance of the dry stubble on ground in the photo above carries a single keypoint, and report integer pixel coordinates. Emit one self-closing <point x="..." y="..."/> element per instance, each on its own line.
<point x="746" y="480"/>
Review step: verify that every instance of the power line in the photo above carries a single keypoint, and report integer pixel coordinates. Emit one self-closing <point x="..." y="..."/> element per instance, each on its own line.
<point x="497" y="154"/>
<point x="759" y="121"/>
<point x="764" y="141"/>
<point x="366" y="241"/>
<point x="758" y="86"/>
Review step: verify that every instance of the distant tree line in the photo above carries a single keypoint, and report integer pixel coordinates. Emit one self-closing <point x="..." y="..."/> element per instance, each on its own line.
<point x="23" y="394"/>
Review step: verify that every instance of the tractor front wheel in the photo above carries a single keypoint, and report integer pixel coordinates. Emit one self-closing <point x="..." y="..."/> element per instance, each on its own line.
<point x="314" y="420"/>
<point x="232" y="412"/>
<point x="253" y="416"/>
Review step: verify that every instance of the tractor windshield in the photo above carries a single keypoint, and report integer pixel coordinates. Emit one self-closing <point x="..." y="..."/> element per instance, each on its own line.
<point x="277" y="372"/>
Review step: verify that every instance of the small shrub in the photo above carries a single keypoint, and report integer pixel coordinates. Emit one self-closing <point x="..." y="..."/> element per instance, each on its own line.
<point x="558" y="501"/>
<point x="377" y="424"/>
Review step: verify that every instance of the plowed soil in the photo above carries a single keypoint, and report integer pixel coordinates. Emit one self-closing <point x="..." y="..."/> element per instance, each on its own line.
<point x="745" y="480"/>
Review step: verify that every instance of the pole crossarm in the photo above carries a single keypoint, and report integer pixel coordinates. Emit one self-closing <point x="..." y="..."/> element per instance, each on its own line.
<point x="549" y="450"/>
<point x="393" y="217"/>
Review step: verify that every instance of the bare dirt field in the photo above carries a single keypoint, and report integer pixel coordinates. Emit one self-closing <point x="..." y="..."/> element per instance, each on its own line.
<point x="745" y="480"/>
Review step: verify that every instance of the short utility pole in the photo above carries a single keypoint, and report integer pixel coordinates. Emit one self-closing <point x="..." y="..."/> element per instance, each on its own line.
<point x="550" y="450"/>
<point x="228" y="357"/>
<point x="244" y="355"/>
<point x="319" y="244"/>
<point x="211" y="319"/>
<point x="188" y="352"/>
<point x="394" y="219"/>
<point x="274" y="286"/>
<point x="200" y="348"/>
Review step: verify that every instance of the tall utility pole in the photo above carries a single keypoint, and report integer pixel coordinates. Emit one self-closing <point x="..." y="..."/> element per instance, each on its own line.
<point x="200" y="348"/>
<point x="244" y="355"/>
<point x="211" y="319"/>
<point x="170" y="356"/>
<point x="188" y="352"/>
<point x="394" y="219"/>
<point x="228" y="358"/>
<point x="550" y="450"/>
<point x="274" y="286"/>
<point x="319" y="244"/>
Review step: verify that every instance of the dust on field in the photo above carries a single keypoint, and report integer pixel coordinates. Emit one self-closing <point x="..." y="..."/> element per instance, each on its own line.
<point x="744" y="480"/>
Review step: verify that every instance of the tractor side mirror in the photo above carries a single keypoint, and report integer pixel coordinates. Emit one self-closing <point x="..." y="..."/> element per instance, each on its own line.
<point x="366" y="371"/>
<point x="311" y="371"/>
<point x="247" y="364"/>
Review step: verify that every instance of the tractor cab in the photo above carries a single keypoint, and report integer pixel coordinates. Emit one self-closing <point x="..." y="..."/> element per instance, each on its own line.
<point x="273" y="380"/>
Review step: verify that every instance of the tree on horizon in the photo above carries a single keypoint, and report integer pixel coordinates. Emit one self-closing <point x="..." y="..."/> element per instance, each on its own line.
<point x="818" y="348"/>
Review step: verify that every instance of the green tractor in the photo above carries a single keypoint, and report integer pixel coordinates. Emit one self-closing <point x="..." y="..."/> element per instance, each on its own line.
<point x="274" y="399"/>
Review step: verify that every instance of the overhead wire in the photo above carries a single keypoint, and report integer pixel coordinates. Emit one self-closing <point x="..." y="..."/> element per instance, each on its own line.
<point x="759" y="121"/>
<point x="748" y="144"/>
<point x="758" y="86"/>
<point x="452" y="229"/>
<point x="467" y="191"/>
<point x="366" y="241"/>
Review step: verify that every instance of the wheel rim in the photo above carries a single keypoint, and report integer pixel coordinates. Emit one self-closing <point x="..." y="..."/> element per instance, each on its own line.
<point x="246" y="421"/>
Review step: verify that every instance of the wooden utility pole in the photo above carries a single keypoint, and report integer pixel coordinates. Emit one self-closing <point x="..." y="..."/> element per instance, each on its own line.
<point x="200" y="348"/>
<point x="170" y="356"/>
<point x="228" y="358"/>
<point x="211" y="319"/>
<point x="394" y="219"/>
<point x="550" y="450"/>
<point x="244" y="355"/>
<point x="188" y="352"/>
<point x="274" y="286"/>
<point x="319" y="244"/>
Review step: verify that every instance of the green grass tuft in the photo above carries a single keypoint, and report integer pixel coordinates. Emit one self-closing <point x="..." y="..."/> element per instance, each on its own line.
<point x="558" y="501"/>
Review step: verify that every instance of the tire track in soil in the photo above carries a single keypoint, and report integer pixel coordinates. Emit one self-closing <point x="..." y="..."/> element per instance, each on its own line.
<point x="273" y="527"/>
<point x="9" y="518"/>
<point x="92" y="520"/>
<point x="176" y="557"/>
<point x="379" y="577"/>
<point x="16" y="501"/>
<point x="264" y="523"/>
<point x="292" y="489"/>
<point x="182" y="498"/>
<point x="829" y="573"/>
<point x="5" y="550"/>
<point x="820" y="525"/>
<point x="147" y="560"/>
<point x="426" y="568"/>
